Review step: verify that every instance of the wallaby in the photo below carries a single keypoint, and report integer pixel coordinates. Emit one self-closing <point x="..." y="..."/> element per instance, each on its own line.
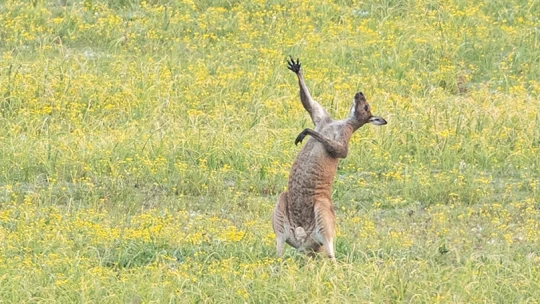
<point x="304" y="216"/>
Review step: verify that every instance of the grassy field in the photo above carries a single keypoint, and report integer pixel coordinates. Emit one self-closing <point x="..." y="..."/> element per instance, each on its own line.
<point x="143" y="145"/>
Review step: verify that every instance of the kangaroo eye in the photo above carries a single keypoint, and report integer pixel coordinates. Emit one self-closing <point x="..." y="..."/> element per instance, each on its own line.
<point x="366" y="108"/>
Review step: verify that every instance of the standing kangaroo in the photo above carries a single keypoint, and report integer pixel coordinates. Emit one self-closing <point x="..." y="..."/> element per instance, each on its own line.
<point x="304" y="216"/>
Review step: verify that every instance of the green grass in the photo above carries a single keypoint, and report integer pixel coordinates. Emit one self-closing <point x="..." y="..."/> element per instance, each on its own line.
<point x="143" y="145"/>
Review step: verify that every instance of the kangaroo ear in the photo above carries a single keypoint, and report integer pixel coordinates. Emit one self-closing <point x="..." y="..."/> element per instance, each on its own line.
<point x="359" y="97"/>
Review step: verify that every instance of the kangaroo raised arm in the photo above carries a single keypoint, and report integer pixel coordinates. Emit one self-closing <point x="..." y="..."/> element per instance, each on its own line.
<point x="304" y="216"/>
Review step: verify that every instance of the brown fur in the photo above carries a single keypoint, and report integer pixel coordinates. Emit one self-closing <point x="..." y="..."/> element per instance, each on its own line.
<point x="304" y="216"/>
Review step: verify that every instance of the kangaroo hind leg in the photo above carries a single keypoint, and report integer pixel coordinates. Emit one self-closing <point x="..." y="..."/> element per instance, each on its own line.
<point x="325" y="221"/>
<point x="280" y="223"/>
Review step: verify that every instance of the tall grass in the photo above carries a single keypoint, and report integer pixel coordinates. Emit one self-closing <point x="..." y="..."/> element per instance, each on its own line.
<point x="143" y="144"/>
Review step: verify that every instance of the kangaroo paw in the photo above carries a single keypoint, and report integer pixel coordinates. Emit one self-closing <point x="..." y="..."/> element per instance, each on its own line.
<point x="300" y="137"/>
<point x="300" y="234"/>
<point x="294" y="66"/>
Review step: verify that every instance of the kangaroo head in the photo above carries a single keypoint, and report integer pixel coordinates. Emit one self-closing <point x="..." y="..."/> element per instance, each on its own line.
<point x="362" y="111"/>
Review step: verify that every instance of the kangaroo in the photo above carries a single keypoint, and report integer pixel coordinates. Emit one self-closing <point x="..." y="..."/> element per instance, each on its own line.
<point x="304" y="216"/>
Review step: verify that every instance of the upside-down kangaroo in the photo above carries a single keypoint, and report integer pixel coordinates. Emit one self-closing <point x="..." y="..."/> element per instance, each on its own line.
<point x="304" y="216"/>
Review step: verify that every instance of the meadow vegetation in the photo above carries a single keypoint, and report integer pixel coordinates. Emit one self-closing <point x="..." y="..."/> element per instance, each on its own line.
<point x="143" y="144"/>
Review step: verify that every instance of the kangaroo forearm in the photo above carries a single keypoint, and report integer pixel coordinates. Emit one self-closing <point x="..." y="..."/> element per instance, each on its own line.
<point x="305" y="101"/>
<point x="314" y="109"/>
<point x="305" y="96"/>
<point x="334" y="148"/>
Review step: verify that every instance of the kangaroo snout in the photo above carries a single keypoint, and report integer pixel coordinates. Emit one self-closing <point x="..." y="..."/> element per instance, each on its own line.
<point x="377" y="120"/>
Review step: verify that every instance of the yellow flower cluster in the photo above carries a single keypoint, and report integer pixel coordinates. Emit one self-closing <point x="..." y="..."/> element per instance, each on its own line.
<point x="143" y="143"/>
